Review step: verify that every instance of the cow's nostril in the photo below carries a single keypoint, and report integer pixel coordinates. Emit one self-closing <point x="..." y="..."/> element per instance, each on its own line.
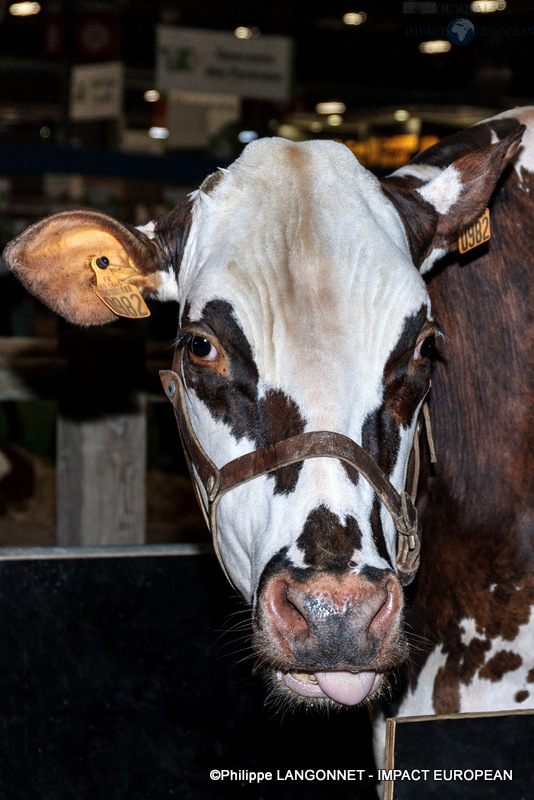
<point x="388" y="611"/>
<point x="284" y="606"/>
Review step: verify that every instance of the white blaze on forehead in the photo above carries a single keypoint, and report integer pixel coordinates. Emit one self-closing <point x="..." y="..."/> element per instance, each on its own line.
<point x="314" y="260"/>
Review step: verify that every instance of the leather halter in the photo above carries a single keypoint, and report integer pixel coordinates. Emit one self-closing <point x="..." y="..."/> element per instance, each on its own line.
<point x="216" y="482"/>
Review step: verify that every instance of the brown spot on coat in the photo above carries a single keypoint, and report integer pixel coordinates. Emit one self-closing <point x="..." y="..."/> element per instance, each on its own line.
<point x="446" y="694"/>
<point x="502" y="662"/>
<point x="521" y="696"/>
<point x="473" y="658"/>
<point x="475" y="504"/>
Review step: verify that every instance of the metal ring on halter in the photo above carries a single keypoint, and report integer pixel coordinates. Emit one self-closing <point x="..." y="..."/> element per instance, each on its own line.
<point x="313" y="444"/>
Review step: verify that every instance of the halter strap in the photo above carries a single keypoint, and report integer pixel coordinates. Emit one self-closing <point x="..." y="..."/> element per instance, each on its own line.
<point x="215" y="482"/>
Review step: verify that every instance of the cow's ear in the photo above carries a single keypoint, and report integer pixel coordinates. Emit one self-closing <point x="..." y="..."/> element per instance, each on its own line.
<point x="439" y="199"/>
<point x="53" y="259"/>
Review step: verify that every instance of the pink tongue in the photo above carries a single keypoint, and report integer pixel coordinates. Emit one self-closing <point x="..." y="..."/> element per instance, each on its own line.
<point x="349" y="688"/>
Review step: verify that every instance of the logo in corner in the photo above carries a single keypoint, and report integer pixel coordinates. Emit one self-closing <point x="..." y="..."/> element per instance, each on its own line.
<point x="460" y="31"/>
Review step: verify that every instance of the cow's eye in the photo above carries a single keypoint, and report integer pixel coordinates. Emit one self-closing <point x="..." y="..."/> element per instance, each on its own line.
<point x="425" y="348"/>
<point x="202" y="348"/>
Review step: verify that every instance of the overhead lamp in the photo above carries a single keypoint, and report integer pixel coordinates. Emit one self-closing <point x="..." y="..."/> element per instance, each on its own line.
<point x="242" y="32"/>
<point x="354" y="17"/>
<point x="158" y="133"/>
<point x="151" y="95"/>
<point x="487" y="6"/>
<point x="24" y="9"/>
<point x="401" y="115"/>
<point x="331" y="107"/>
<point x="247" y="136"/>
<point x="436" y="46"/>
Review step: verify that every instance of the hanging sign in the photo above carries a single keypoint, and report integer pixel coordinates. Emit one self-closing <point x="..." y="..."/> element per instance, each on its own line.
<point x="217" y="62"/>
<point x="96" y="91"/>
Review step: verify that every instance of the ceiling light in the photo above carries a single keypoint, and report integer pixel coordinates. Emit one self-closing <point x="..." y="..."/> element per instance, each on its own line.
<point x="354" y="17"/>
<point x="247" y="136"/>
<point x="401" y="115"/>
<point x="24" y="9"/>
<point x="158" y="133"/>
<point x="331" y="107"/>
<point x="488" y="6"/>
<point x="334" y="119"/>
<point x="151" y="95"/>
<point x="246" y="33"/>
<point x="436" y="46"/>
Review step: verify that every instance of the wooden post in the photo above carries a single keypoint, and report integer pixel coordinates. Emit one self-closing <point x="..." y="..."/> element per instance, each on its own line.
<point x="101" y="439"/>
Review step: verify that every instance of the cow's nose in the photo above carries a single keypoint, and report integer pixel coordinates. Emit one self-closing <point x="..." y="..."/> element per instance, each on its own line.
<point x="330" y="622"/>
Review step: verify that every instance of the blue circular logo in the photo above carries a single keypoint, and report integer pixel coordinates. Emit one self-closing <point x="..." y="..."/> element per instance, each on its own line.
<point x="460" y="31"/>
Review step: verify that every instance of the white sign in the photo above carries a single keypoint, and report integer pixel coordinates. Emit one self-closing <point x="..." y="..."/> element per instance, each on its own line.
<point x="96" y="91"/>
<point x="193" y="118"/>
<point x="214" y="62"/>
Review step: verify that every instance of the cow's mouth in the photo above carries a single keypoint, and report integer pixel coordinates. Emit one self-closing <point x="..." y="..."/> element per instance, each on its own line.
<point x="345" y="688"/>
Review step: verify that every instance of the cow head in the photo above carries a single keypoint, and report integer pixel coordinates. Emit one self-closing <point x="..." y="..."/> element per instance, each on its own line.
<point x="302" y="308"/>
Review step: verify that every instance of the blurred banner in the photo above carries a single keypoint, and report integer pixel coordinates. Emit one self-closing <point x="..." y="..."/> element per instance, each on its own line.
<point x="96" y="91"/>
<point x="218" y="62"/>
<point x="192" y="119"/>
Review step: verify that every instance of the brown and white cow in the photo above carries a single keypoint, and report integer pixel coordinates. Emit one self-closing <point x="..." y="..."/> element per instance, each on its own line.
<point x="303" y="309"/>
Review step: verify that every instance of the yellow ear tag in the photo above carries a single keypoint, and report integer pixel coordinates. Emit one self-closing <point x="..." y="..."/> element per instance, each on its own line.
<point x="121" y="297"/>
<point x="477" y="233"/>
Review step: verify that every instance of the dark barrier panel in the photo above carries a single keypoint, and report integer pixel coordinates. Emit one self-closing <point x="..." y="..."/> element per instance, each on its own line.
<point x="471" y="756"/>
<point x="115" y="685"/>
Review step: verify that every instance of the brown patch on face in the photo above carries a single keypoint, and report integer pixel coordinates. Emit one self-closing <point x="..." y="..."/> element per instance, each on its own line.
<point x="405" y="384"/>
<point x="171" y="232"/>
<point x="521" y="696"/>
<point x="530" y="676"/>
<point x="232" y="396"/>
<point x="326" y="543"/>
<point x="499" y="664"/>
<point x="281" y="420"/>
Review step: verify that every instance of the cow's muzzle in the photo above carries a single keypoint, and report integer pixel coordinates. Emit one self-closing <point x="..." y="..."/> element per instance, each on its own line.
<point x="329" y="637"/>
<point x="215" y="482"/>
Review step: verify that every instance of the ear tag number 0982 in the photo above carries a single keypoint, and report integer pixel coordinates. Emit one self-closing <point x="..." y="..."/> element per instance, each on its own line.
<point x="121" y="297"/>
<point x="477" y="233"/>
